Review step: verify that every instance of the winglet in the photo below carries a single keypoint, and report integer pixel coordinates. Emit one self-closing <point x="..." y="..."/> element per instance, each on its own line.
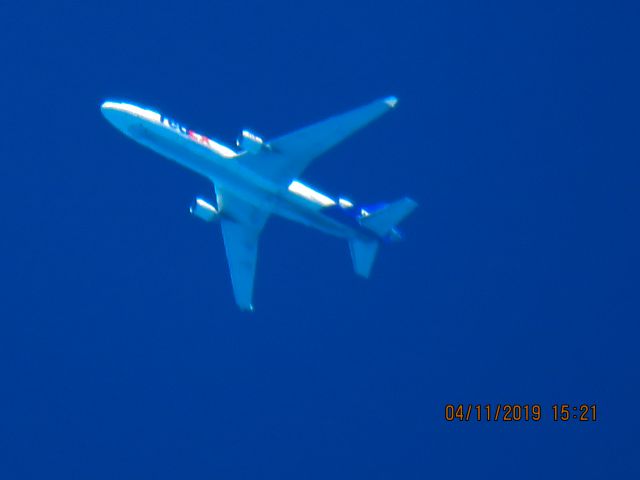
<point x="391" y="101"/>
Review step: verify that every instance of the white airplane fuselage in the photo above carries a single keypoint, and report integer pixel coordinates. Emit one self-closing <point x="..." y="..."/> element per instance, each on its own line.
<point x="260" y="179"/>
<point x="296" y="202"/>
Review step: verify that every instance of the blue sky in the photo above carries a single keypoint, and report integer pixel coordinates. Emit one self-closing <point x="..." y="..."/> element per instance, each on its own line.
<point x="122" y="354"/>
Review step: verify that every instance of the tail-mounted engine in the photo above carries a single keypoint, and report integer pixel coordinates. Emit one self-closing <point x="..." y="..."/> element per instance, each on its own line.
<point x="250" y="142"/>
<point x="204" y="210"/>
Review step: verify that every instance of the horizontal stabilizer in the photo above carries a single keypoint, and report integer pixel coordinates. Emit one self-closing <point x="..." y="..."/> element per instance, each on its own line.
<point x="363" y="254"/>
<point x="383" y="221"/>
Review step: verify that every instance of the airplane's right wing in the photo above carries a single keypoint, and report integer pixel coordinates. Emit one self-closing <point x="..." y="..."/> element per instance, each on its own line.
<point x="286" y="157"/>
<point x="241" y="227"/>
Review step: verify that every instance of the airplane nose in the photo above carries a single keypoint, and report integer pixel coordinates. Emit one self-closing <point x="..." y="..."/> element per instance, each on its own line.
<point x="113" y="112"/>
<point x="107" y="109"/>
<point x="119" y="112"/>
<point x="107" y="105"/>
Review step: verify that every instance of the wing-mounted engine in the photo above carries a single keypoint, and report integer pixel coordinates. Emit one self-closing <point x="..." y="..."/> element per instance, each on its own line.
<point x="204" y="210"/>
<point x="250" y="142"/>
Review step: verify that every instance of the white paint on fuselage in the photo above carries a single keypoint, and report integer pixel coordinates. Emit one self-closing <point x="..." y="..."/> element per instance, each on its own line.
<point x="219" y="163"/>
<point x="310" y="194"/>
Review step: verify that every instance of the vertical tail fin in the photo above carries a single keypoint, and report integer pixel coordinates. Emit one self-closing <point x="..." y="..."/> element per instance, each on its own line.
<point x="363" y="254"/>
<point x="383" y="221"/>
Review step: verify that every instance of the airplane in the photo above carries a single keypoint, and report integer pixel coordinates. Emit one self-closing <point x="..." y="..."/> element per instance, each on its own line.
<point x="261" y="178"/>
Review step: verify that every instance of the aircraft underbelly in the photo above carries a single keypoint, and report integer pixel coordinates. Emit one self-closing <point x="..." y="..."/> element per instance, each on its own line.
<point x="181" y="150"/>
<point x="310" y="215"/>
<point x="227" y="172"/>
<point x="220" y="170"/>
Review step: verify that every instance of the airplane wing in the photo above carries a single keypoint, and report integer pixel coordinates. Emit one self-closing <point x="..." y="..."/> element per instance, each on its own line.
<point x="241" y="227"/>
<point x="286" y="157"/>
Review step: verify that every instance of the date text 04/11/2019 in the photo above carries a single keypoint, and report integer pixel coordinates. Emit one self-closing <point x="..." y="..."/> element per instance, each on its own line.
<point x="515" y="412"/>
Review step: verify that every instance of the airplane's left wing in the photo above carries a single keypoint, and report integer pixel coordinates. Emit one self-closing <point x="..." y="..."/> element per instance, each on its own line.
<point x="241" y="226"/>
<point x="286" y="157"/>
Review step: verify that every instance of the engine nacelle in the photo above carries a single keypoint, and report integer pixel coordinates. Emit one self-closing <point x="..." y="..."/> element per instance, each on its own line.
<point x="204" y="210"/>
<point x="250" y="142"/>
